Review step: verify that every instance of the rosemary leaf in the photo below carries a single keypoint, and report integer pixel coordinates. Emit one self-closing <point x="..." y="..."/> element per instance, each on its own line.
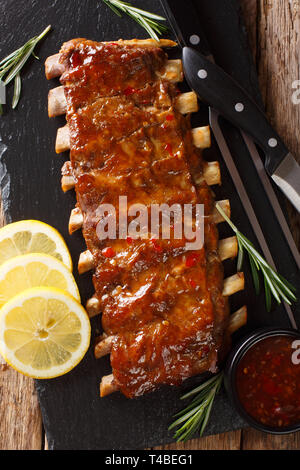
<point x="186" y="416"/>
<point x="17" y="91"/>
<point x="16" y="69"/>
<point x="267" y="296"/>
<point x="287" y="283"/>
<point x="207" y="414"/>
<point x="148" y="20"/>
<point x="10" y="57"/>
<point x="240" y="257"/>
<point x="195" y="416"/>
<point x="11" y="65"/>
<point x="198" y="389"/>
<point x="275" y="284"/>
<point x="146" y="14"/>
<point x="109" y="4"/>
<point x="255" y="276"/>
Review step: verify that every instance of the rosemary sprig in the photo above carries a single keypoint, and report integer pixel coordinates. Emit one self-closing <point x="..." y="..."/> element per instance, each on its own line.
<point x="275" y="285"/>
<point x="195" y="416"/>
<point x="146" y="19"/>
<point x="11" y="66"/>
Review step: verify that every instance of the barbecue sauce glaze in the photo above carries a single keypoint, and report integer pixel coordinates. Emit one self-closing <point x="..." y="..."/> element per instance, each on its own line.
<point x="163" y="304"/>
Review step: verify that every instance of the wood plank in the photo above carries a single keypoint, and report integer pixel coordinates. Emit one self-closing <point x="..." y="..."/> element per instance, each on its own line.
<point x="278" y="60"/>
<point x="20" y="416"/>
<point x="273" y="27"/>
<point x="225" y="441"/>
<point x="255" y="440"/>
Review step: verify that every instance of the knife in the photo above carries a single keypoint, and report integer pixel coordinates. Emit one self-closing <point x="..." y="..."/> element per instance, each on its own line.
<point x="207" y="79"/>
<point x="191" y="33"/>
<point x="234" y="103"/>
<point x="188" y="32"/>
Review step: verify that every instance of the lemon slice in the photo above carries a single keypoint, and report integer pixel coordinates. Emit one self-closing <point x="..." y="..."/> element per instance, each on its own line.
<point x="44" y="332"/>
<point x="32" y="236"/>
<point x="34" y="270"/>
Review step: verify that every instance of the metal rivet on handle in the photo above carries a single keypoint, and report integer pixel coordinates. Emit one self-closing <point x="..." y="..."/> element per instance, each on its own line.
<point x="194" y="39"/>
<point x="202" y="73"/>
<point x="272" y="142"/>
<point x="239" y="107"/>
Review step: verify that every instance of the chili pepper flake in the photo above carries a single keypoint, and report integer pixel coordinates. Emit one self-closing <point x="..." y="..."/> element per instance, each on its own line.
<point x="129" y="91"/>
<point x="191" y="260"/>
<point x="108" y="252"/>
<point x="168" y="148"/>
<point x="156" y="245"/>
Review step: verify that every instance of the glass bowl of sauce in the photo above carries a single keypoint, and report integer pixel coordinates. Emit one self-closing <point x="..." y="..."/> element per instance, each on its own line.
<point x="262" y="378"/>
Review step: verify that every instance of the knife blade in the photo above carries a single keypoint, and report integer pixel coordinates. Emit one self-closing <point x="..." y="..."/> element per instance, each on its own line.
<point x="193" y="35"/>
<point x="265" y="180"/>
<point x="287" y="177"/>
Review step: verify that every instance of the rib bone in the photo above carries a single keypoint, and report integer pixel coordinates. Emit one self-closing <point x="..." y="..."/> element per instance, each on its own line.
<point x="62" y="143"/>
<point x="85" y="262"/>
<point x="187" y="103"/>
<point x="76" y="220"/>
<point x="201" y="138"/>
<point x="237" y="320"/>
<point x="211" y="174"/>
<point x="53" y="68"/>
<point x="173" y="70"/>
<point x="57" y="105"/>
<point x="216" y="216"/>
<point x="103" y="347"/>
<point x="93" y="307"/>
<point x="232" y="285"/>
<point x="108" y="385"/>
<point x="228" y="248"/>
<point x="67" y="183"/>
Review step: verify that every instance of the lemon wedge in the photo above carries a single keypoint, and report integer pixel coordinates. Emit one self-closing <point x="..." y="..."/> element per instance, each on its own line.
<point x="44" y="332"/>
<point x="34" y="270"/>
<point x="32" y="236"/>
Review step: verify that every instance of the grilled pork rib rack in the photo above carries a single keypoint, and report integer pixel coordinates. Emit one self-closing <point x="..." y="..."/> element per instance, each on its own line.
<point x="164" y="309"/>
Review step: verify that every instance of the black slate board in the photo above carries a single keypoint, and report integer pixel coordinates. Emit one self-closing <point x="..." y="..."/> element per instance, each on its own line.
<point x="74" y="416"/>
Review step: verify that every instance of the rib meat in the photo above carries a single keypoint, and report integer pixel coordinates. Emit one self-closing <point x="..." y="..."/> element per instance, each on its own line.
<point x="162" y="304"/>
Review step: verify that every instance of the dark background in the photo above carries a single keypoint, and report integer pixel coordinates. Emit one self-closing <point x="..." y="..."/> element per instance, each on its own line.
<point x="74" y="416"/>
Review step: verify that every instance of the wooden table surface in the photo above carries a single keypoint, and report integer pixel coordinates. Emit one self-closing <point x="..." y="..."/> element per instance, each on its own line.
<point x="273" y="28"/>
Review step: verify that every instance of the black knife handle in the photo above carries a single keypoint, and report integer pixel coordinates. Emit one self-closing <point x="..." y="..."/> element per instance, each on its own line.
<point x="184" y="20"/>
<point x="221" y="92"/>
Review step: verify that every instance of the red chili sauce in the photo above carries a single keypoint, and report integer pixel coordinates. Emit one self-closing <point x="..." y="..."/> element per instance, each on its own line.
<point x="268" y="382"/>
